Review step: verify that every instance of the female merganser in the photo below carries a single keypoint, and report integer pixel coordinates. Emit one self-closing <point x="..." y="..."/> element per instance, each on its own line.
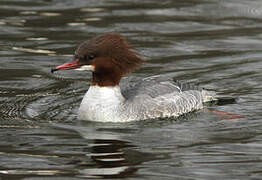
<point x="109" y="57"/>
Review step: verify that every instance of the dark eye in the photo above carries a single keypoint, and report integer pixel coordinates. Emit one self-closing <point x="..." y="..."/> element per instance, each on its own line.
<point x="90" y="57"/>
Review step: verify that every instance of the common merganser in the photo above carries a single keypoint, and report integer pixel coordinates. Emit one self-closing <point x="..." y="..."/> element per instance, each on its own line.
<point x="109" y="57"/>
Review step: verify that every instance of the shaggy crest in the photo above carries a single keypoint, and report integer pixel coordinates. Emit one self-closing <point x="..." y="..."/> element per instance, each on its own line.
<point x="112" y="58"/>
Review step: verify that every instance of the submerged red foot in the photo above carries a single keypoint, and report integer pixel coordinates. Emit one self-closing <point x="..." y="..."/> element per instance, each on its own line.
<point x="226" y="115"/>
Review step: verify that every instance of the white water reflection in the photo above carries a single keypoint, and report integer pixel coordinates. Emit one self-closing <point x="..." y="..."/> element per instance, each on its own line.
<point x="40" y="51"/>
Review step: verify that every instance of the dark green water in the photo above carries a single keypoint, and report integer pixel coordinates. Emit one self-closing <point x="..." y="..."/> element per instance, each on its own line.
<point x="213" y="43"/>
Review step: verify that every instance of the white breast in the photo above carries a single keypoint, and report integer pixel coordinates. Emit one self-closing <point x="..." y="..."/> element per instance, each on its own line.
<point x="101" y="104"/>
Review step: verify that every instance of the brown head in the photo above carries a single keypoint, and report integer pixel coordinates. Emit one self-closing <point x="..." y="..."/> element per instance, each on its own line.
<point x="108" y="56"/>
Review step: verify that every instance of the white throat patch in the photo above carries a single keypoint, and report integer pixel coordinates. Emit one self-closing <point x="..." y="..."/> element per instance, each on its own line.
<point x="86" y="68"/>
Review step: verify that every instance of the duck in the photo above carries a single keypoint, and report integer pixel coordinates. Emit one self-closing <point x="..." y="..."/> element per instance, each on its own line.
<point x="109" y="57"/>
